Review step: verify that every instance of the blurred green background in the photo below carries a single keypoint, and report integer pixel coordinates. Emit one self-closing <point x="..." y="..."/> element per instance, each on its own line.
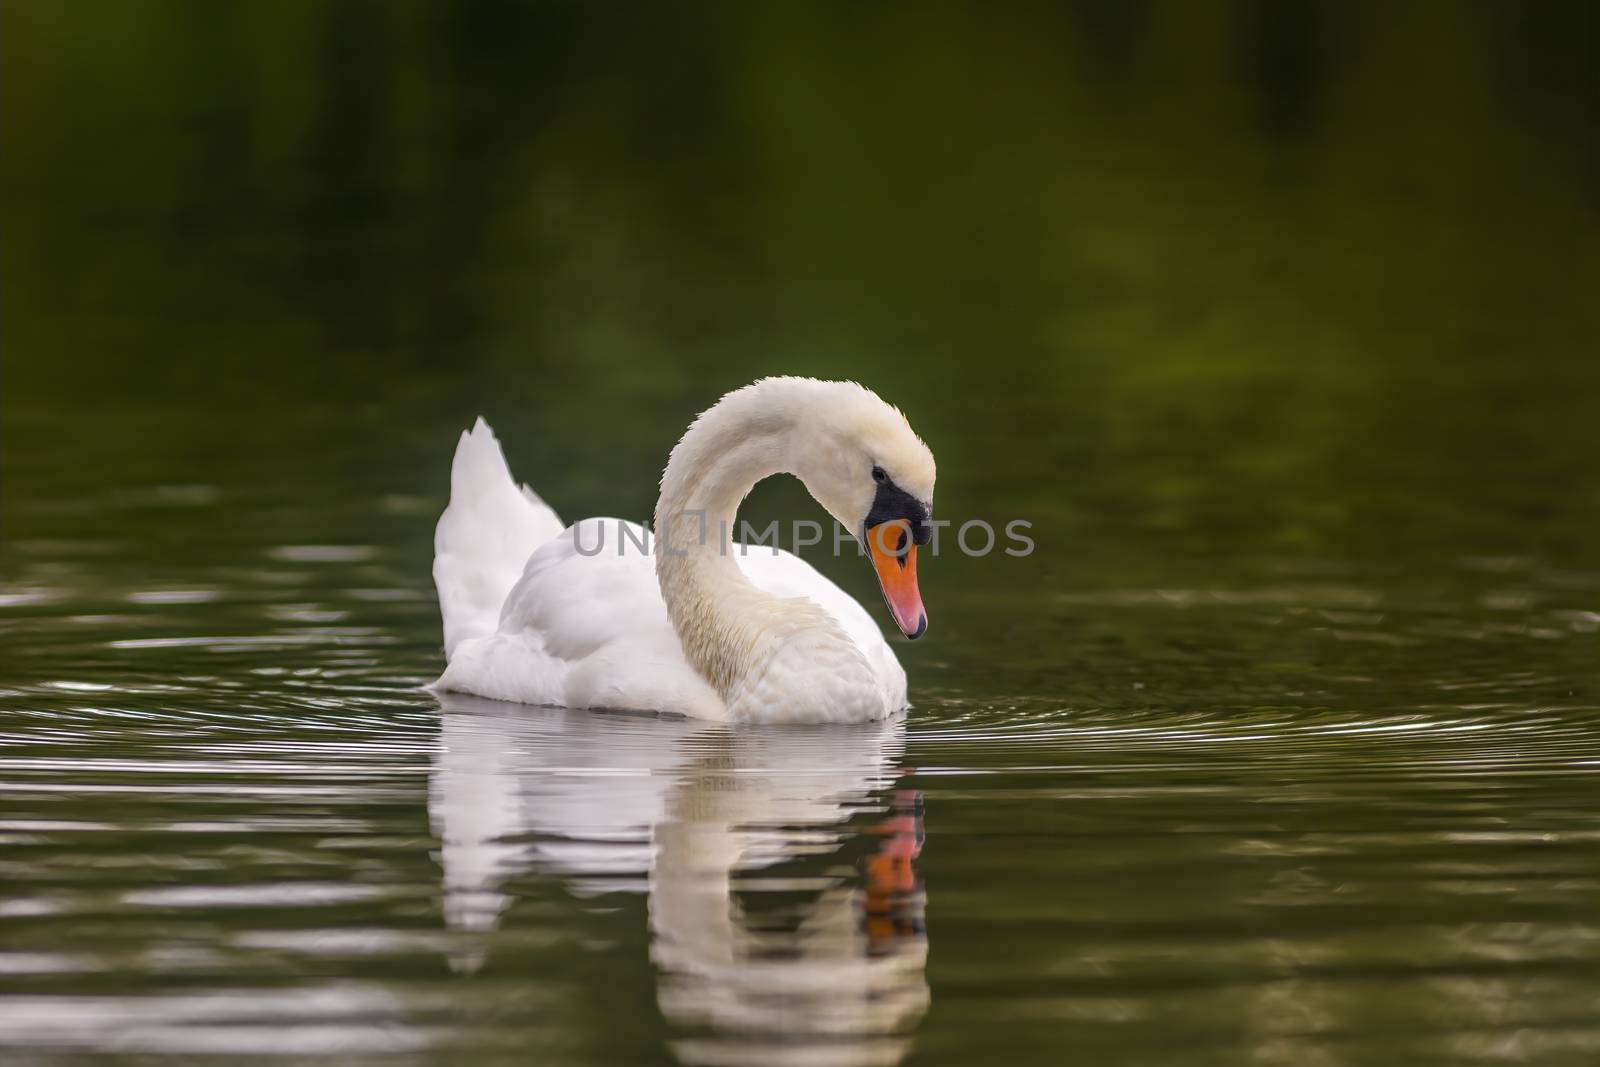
<point x="1243" y="277"/>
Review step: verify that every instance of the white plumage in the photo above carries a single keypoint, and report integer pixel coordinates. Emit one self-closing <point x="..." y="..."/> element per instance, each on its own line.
<point x="578" y="617"/>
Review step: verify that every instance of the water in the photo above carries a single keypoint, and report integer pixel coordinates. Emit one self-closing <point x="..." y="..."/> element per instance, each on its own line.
<point x="1282" y="748"/>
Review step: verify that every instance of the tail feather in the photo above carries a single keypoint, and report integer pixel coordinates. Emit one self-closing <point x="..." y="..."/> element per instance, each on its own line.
<point x="484" y="537"/>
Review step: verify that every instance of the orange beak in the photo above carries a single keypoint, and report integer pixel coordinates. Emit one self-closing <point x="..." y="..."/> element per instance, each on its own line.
<point x="894" y="557"/>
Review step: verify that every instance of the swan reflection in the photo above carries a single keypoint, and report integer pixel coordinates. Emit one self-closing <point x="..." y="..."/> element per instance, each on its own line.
<point x="785" y="911"/>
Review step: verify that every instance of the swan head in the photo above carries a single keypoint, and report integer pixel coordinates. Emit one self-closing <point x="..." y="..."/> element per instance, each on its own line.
<point x="860" y="459"/>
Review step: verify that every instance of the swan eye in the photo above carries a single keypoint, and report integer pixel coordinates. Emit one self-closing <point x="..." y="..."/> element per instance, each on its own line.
<point x="878" y="475"/>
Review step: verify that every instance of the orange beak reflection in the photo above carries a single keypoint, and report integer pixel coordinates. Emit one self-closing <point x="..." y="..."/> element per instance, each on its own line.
<point x="894" y="557"/>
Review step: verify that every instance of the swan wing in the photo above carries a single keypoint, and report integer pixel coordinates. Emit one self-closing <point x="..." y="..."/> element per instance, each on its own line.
<point x="585" y="627"/>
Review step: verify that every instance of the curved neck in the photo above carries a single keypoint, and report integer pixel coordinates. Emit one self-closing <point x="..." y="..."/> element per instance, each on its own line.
<point x="712" y="469"/>
<point x="715" y="609"/>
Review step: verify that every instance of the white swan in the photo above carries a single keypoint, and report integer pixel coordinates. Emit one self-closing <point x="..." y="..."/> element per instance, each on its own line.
<point x="599" y="616"/>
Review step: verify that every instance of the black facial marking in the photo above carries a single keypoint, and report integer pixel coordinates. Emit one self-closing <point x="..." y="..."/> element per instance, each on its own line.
<point x="893" y="502"/>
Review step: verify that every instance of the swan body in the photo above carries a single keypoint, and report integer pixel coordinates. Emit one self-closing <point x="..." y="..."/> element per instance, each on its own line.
<point x="681" y="619"/>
